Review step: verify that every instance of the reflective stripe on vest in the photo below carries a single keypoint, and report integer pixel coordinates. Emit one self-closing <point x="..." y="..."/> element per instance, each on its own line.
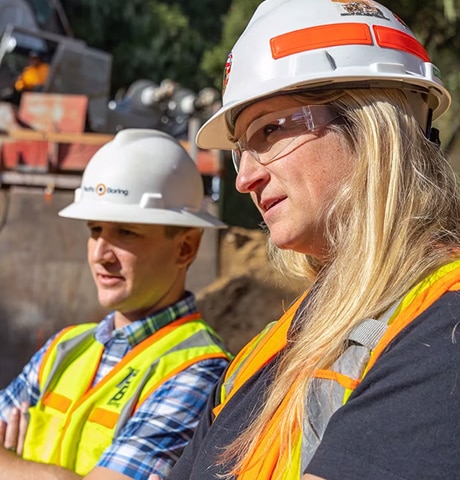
<point x="74" y="422"/>
<point x="332" y="387"/>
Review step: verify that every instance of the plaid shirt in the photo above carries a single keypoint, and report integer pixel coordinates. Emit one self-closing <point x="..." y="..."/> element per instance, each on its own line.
<point x="154" y="437"/>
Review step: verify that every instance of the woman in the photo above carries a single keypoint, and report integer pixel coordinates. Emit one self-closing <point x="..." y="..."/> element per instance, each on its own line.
<point x="327" y="110"/>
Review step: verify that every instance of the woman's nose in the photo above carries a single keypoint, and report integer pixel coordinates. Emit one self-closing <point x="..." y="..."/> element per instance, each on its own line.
<point x="250" y="174"/>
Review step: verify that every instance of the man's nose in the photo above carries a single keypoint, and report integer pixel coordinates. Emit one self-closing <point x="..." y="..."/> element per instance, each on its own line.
<point x="102" y="250"/>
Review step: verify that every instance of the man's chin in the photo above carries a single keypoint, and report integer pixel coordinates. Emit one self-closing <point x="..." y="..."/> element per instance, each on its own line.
<point x="109" y="303"/>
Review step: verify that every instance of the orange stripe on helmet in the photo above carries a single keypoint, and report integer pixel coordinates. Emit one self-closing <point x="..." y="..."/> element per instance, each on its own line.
<point x="390" y="38"/>
<point x="335" y="35"/>
<point x="322" y="36"/>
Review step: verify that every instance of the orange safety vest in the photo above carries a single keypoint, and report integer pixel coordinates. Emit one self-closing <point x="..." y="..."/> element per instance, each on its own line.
<point x="32" y="77"/>
<point x="74" y="421"/>
<point x="270" y="461"/>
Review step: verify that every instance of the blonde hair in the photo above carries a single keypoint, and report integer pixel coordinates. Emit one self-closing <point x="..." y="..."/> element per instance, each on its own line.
<point x="394" y="220"/>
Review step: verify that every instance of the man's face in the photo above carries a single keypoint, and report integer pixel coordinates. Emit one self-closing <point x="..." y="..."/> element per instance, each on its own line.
<point x="137" y="269"/>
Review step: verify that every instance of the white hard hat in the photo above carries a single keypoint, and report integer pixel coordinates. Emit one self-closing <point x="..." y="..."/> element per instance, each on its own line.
<point x="142" y="176"/>
<point x="306" y="44"/>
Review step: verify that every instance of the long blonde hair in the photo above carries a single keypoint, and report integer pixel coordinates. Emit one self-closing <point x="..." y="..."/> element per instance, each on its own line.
<point x="394" y="220"/>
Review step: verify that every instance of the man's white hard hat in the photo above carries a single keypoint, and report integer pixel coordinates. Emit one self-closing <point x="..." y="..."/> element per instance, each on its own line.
<point x="142" y="176"/>
<point x="291" y="45"/>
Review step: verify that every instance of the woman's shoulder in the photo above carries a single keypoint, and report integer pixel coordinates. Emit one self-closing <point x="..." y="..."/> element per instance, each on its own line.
<point x="436" y="324"/>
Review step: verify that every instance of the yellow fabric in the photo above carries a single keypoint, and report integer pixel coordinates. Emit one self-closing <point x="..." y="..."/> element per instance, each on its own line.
<point x="258" y="352"/>
<point x="75" y="438"/>
<point x="417" y="300"/>
<point x="33" y="76"/>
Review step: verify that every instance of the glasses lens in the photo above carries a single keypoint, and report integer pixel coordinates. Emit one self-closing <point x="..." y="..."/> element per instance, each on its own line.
<point x="236" y="157"/>
<point x="268" y="137"/>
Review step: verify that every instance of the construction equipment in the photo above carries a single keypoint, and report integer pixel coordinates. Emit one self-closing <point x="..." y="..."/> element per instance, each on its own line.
<point x="55" y="131"/>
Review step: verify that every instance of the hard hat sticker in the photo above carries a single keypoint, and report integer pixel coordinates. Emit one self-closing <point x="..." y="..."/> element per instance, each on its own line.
<point x="361" y="7"/>
<point x="227" y="69"/>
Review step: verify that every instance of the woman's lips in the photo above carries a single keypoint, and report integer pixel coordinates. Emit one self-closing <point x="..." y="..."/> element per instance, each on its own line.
<point x="270" y="203"/>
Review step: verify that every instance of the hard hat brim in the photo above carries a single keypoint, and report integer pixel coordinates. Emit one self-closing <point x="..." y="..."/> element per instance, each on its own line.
<point x="133" y="214"/>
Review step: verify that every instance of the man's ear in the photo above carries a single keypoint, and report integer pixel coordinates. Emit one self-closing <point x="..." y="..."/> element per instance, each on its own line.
<point x="188" y="244"/>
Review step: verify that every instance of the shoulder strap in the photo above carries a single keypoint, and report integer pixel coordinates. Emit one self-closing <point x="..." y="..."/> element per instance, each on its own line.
<point x="419" y="299"/>
<point x="370" y="331"/>
<point x="65" y="342"/>
<point x="256" y="354"/>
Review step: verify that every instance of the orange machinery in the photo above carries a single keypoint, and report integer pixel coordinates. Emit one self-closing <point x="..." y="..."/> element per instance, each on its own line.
<point x="44" y="141"/>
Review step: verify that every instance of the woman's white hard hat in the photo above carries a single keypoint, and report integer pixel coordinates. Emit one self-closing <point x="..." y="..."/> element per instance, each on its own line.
<point x="142" y="176"/>
<point x="291" y="45"/>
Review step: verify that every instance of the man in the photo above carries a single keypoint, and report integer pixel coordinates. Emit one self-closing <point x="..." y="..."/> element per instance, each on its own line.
<point x="34" y="75"/>
<point x="120" y="399"/>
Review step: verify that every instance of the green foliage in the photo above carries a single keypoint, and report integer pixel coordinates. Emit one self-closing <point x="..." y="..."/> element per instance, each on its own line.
<point x="170" y="53"/>
<point x="436" y="24"/>
<point x="206" y="17"/>
<point x="149" y="39"/>
<point x="234" y="22"/>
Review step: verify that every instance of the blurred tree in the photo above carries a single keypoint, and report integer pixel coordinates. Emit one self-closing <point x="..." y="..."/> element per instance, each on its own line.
<point x="233" y="25"/>
<point x="205" y="17"/>
<point x="150" y="39"/>
<point x="436" y="24"/>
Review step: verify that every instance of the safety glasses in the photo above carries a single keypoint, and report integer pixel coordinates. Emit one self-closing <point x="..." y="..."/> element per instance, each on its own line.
<point x="268" y="137"/>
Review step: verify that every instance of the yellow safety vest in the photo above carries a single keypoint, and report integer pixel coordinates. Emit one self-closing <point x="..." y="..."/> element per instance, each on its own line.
<point x="73" y="421"/>
<point x="333" y="386"/>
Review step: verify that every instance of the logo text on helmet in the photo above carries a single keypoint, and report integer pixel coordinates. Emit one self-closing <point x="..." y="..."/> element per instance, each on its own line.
<point x="101" y="190"/>
<point x="360" y="7"/>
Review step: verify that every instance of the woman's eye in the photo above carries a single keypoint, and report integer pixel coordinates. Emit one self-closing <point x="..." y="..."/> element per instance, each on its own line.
<point x="263" y="137"/>
<point x="270" y="128"/>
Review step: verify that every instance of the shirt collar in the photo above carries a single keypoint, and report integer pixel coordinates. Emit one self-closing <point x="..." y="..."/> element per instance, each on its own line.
<point x="139" y="330"/>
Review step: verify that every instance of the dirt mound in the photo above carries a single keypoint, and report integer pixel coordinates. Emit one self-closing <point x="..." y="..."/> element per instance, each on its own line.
<point x="249" y="292"/>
